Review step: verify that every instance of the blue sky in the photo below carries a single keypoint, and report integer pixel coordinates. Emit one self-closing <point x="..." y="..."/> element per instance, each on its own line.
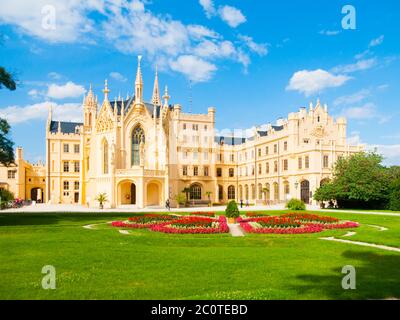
<point x="255" y="61"/>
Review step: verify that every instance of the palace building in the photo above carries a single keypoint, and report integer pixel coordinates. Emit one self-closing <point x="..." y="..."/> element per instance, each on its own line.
<point x="142" y="153"/>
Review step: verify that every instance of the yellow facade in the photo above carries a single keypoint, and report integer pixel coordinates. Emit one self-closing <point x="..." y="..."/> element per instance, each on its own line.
<point x="141" y="154"/>
<point x="25" y="180"/>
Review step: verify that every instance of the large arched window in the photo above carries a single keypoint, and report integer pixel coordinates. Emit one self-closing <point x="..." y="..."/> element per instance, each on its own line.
<point x="137" y="138"/>
<point x="260" y="191"/>
<point x="246" y="192"/>
<point x="276" y="191"/>
<point x="105" y="157"/>
<point x="195" y="192"/>
<point x="231" y="193"/>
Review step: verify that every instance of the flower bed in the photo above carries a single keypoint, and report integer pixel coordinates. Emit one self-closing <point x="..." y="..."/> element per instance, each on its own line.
<point x="293" y="223"/>
<point x="193" y="225"/>
<point x="174" y="224"/>
<point x="144" y="221"/>
<point x="204" y="214"/>
<point x="255" y="214"/>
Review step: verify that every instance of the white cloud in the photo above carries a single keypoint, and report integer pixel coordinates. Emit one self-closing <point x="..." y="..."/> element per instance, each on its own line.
<point x="69" y="90"/>
<point x="117" y="76"/>
<point x="194" y="68"/>
<point x="358" y="66"/>
<point x="260" y="49"/>
<point x="310" y="82"/>
<point x="330" y="32"/>
<point x="353" y="98"/>
<point x="232" y="16"/>
<point x="131" y="28"/>
<point x="52" y="20"/>
<point x="208" y="7"/>
<point x="366" y="111"/>
<point x="377" y="42"/>
<point x="39" y="111"/>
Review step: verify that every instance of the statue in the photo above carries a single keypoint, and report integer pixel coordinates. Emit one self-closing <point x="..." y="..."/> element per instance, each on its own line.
<point x="141" y="152"/>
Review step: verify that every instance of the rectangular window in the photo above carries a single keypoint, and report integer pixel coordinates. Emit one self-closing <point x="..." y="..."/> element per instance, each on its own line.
<point x="219" y="172"/>
<point x="195" y="127"/>
<point x="266" y="150"/>
<point x="184" y="171"/>
<point x="326" y="161"/>
<point x="300" y="163"/>
<point x="205" y="128"/>
<point x="267" y="168"/>
<point x="66" y="166"/>
<point x="206" y="171"/>
<point x="285" y="165"/>
<point x="66" y="185"/>
<point x="307" y="162"/>
<point x="259" y="169"/>
<point x="232" y="158"/>
<point x="285" y="146"/>
<point x="275" y="148"/>
<point x="76" y="148"/>
<point x="184" y="126"/>
<point x="205" y="156"/>
<point x="275" y="166"/>
<point x="77" y="166"/>
<point x="231" y="172"/>
<point x="196" y="171"/>
<point x="195" y="155"/>
<point x="259" y="152"/>
<point x="66" y="148"/>
<point x="76" y="185"/>
<point x="11" y="174"/>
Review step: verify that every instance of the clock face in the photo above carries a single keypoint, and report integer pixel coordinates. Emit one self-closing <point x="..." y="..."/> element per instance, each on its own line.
<point x="319" y="132"/>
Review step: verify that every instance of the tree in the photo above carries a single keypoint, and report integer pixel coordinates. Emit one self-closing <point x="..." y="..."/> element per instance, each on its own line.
<point x="7" y="80"/>
<point x="101" y="198"/>
<point x="6" y="145"/>
<point x="394" y="201"/>
<point x="359" y="181"/>
<point x="186" y="191"/>
<point x="208" y="194"/>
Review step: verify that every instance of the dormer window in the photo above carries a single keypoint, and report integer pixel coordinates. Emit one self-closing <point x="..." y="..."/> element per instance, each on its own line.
<point x="319" y="119"/>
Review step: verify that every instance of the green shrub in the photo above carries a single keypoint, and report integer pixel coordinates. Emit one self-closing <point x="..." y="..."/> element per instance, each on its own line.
<point x="180" y="198"/>
<point x="6" y="196"/>
<point x="232" y="210"/>
<point x="394" y="199"/>
<point x="296" y="205"/>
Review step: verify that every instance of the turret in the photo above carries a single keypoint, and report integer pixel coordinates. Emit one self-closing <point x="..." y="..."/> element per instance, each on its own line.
<point x="89" y="108"/>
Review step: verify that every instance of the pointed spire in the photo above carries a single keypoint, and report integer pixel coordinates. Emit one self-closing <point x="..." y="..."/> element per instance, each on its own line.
<point x="139" y="84"/>
<point x="166" y="96"/>
<point x="105" y="90"/>
<point x="156" y="100"/>
<point x="139" y="79"/>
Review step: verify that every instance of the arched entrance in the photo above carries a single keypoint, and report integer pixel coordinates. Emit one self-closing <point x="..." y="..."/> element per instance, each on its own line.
<point x="37" y="195"/>
<point x="153" y="194"/>
<point x="127" y="193"/>
<point x="305" y="191"/>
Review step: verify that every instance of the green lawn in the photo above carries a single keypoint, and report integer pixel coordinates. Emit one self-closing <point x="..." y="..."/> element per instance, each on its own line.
<point x="104" y="264"/>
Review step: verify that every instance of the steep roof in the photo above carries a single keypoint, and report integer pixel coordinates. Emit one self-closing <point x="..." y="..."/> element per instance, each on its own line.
<point x="66" y="127"/>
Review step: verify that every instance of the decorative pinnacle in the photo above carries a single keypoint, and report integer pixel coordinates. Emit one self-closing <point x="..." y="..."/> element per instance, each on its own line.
<point x="106" y="91"/>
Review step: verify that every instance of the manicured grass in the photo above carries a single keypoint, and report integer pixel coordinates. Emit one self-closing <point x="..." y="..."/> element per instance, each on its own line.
<point x="104" y="264"/>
